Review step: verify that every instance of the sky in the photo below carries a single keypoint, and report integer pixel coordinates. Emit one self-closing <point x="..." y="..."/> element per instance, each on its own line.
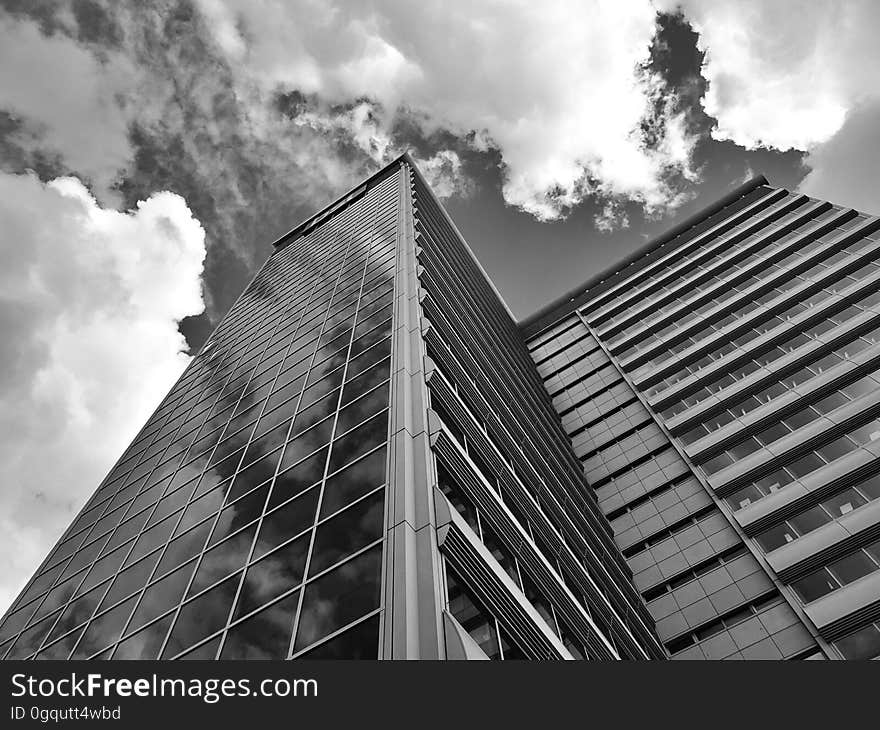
<point x="151" y="151"/>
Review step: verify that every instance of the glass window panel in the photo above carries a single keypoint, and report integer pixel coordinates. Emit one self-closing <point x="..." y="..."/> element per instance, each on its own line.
<point x="500" y="553"/>
<point x="182" y="548"/>
<point x="358" y="642"/>
<point x="512" y="652"/>
<point x="870" y="487"/>
<point x="830" y="402"/>
<point x="862" y="386"/>
<point x="315" y="412"/>
<point x="305" y="443"/>
<point x="161" y="596"/>
<point x="716" y="463"/>
<point x="78" y="611"/>
<point x="852" y="567"/>
<point x="473" y="618"/>
<point x="223" y="559"/>
<point x="127" y="530"/>
<point x="348" y="532"/>
<point x="359" y="441"/>
<point x="273" y="575"/>
<point x="287" y="521"/>
<point x="800" y="418"/>
<point x="809" y="520"/>
<point x="303" y="474"/>
<point x="744" y="497"/>
<point x="30" y="639"/>
<point x="867" y="433"/>
<point x="744" y="448"/>
<point x="199" y="509"/>
<point x="208" y="650"/>
<point x="286" y="394"/>
<point x="360" y="410"/>
<point x="266" y="443"/>
<point x="874" y="551"/>
<point x="364" y="382"/>
<point x="340" y="597"/>
<point x="103" y="631"/>
<point x="240" y="513"/>
<point x="61" y="648"/>
<point x="776" y="537"/>
<point x="265" y="635"/>
<point x="202" y="616"/>
<point x="327" y="384"/>
<point x="539" y="601"/>
<point x="805" y="465"/>
<point x="367" y="340"/>
<point x="146" y="643"/>
<point x="354" y="481"/>
<point x="814" y="586"/>
<point x="103" y="569"/>
<point x="841" y="504"/>
<point x="835" y="449"/>
<point x="258" y="472"/>
<point x="863" y="644"/>
<point x="130" y="580"/>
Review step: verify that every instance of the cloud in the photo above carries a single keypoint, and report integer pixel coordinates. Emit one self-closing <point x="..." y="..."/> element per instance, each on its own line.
<point x="560" y="90"/>
<point x="90" y="299"/>
<point x="67" y="100"/>
<point x="847" y="167"/>
<point x="785" y="73"/>
<point x="444" y="174"/>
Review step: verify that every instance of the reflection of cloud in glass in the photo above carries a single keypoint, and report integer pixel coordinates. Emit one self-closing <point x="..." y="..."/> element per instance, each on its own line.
<point x="145" y="644"/>
<point x="265" y="635"/>
<point x="103" y="630"/>
<point x="287" y="521"/>
<point x="348" y="532"/>
<point x="201" y="617"/>
<point x="340" y="597"/>
<point x="223" y="559"/>
<point x="353" y="481"/>
<point x="273" y="575"/>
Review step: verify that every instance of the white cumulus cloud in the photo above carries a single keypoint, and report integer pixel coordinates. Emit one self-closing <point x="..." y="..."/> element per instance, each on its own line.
<point x="787" y="74"/>
<point x="559" y="89"/>
<point x="90" y="299"/>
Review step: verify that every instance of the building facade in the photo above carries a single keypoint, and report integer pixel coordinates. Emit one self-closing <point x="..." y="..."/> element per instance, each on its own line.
<point x="370" y="458"/>
<point x="361" y="462"/>
<point x="720" y="388"/>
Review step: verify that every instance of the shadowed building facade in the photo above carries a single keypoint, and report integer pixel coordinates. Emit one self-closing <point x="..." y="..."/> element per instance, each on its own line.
<point x="720" y="388"/>
<point x="361" y="462"/>
<point x="369" y="458"/>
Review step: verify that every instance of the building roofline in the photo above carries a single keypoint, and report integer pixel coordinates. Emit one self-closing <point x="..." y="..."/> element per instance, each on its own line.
<point x="568" y="302"/>
<point x="366" y="183"/>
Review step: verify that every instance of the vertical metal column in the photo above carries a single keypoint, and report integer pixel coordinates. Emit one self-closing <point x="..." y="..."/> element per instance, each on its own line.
<point x="413" y="596"/>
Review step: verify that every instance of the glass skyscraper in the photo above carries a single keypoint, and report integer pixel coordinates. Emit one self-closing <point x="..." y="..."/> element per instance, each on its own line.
<point x="370" y="458"/>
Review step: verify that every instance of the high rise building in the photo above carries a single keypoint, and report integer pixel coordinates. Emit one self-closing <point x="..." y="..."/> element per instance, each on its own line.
<point x="370" y="458"/>
<point x="361" y="462"/>
<point x="720" y="387"/>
